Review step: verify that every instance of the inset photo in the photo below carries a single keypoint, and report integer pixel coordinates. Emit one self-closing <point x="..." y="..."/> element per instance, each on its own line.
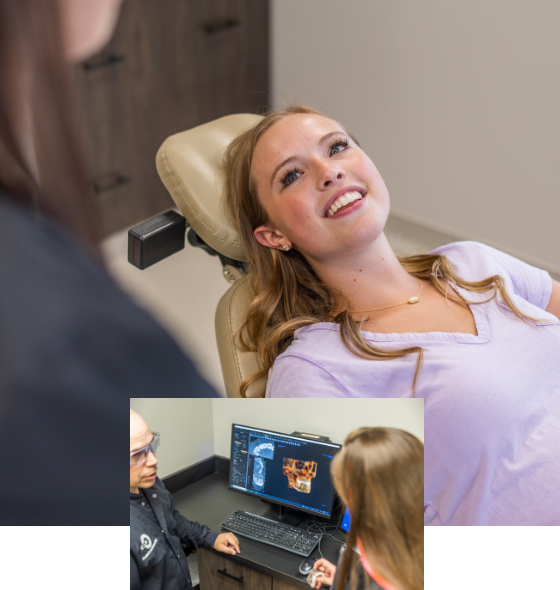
<point x="277" y="494"/>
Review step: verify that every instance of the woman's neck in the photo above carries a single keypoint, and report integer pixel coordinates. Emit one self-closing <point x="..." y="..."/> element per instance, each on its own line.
<point x="371" y="278"/>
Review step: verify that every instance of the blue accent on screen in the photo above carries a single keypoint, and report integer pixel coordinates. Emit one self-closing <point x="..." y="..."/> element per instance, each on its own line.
<point x="345" y="524"/>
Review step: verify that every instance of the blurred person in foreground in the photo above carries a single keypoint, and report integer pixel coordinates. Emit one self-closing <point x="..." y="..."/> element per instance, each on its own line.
<point x="73" y="347"/>
<point x="159" y="535"/>
<point x="379" y="475"/>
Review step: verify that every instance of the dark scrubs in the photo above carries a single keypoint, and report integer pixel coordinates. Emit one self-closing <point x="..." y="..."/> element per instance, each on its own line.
<point x="73" y="350"/>
<point x="160" y="539"/>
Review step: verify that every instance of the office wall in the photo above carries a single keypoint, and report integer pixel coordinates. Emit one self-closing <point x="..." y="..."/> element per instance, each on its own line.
<point x="187" y="434"/>
<point x="331" y="417"/>
<point x="195" y="429"/>
<point x="456" y="103"/>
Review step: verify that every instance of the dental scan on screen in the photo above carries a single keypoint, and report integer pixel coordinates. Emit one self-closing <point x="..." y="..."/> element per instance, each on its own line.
<point x="300" y="474"/>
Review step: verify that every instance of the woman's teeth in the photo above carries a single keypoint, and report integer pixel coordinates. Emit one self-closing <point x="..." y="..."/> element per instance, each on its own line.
<point x="345" y="199"/>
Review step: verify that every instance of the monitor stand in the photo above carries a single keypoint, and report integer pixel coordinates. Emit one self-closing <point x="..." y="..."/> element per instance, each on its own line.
<point x="285" y="515"/>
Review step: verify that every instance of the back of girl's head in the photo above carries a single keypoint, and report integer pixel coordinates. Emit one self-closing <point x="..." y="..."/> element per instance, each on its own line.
<point x="379" y="474"/>
<point x="41" y="162"/>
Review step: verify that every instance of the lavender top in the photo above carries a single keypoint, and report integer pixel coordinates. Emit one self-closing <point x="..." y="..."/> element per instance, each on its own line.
<point x="491" y="401"/>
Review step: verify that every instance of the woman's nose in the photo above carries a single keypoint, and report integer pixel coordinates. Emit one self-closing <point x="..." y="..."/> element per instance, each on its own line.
<point x="331" y="175"/>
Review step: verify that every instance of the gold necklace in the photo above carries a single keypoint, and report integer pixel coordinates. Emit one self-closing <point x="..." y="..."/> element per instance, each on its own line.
<point x="411" y="301"/>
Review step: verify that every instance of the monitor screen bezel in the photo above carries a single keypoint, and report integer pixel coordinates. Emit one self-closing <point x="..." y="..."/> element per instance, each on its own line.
<point x="341" y="519"/>
<point x="274" y="500"/>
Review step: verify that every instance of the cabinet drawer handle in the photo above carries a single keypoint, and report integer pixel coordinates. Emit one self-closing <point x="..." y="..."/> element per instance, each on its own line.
<point x="108" y="60"/>
<point x="220" y="24"/>
<point x="224" y="573"/>
<point x="114" y="182"/>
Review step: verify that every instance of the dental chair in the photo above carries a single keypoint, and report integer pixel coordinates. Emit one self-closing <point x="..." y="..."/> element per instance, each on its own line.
<point x="190" y="166"/>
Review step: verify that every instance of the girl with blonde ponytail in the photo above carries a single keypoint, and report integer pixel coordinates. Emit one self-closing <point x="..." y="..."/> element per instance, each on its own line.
<point x="336" y="313"/>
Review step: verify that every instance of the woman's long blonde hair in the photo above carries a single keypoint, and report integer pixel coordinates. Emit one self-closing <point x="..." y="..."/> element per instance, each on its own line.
<point x="379" y="474"/>
<point x="288" y="293"/>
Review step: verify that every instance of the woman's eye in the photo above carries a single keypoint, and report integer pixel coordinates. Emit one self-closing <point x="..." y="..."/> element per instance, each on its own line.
<point x="290" y="176"/>
<point x="339" y="146"/>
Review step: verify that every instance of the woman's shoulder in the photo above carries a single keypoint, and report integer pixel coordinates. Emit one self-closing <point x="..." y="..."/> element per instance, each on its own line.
<point x="37" y="247"/>
<point x="304" y="369"/>
<point x="59" y="304"/>
<point x="472" y="258"/>
<point x="474" y="261"/>
<point x="316" y="343"/>
<point x="50" y="277"/>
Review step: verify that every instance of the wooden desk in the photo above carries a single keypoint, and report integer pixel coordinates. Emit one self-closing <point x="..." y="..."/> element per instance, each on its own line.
<point x="263" y="567"/>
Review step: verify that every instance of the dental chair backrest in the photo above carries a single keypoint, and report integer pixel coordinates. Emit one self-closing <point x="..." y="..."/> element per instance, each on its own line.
<point x="190" y="164"/>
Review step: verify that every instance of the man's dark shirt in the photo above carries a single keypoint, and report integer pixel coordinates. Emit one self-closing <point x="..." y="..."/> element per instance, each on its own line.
<point x="73" y="350"/>
<point x="159" y="539"/>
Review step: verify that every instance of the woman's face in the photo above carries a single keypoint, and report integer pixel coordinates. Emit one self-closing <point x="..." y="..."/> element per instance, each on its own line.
<point x="301" y="167"/>
<point x="87" y="26"/>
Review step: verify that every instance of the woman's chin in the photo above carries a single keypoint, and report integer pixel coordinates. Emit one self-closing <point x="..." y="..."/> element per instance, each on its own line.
<point x="362" y="236"/>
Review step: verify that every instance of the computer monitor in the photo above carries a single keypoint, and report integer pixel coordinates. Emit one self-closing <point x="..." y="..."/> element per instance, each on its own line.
<point x="344" y="523"/>
<point x="283" y="469"/>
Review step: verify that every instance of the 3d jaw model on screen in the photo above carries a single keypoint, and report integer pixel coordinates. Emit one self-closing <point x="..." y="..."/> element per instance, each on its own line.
<point x="299" y="474"/>
<point x="259" y="474"/>
<point x="262" y="448"/>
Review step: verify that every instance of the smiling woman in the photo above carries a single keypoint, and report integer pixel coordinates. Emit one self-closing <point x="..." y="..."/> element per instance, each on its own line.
<point x="299" y="182"/>
<point x="466" y="327"/>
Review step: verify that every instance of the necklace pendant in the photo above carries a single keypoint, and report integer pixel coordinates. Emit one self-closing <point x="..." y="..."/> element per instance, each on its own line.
<point x="413" y="300"/>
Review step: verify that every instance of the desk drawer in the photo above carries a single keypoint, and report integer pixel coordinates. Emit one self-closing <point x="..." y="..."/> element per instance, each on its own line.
<point x="218" y="572"/>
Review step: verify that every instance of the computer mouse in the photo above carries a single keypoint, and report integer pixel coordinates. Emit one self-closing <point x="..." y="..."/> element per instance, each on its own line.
<point x="306" y="565"/>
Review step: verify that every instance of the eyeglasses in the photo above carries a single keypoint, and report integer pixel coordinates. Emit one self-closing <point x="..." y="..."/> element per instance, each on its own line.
<point x="140" y="456"/>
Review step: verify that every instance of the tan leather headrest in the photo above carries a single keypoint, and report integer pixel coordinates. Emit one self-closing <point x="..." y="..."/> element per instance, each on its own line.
<point x="237" y="364"/>
<point x="190" y="165"/>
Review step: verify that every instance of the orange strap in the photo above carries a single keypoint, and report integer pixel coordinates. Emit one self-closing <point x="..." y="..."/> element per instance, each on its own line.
<point x="372" y="573"/>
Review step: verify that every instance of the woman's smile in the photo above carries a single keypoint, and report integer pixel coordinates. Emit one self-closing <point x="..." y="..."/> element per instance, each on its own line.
<point x="344" y="201"/>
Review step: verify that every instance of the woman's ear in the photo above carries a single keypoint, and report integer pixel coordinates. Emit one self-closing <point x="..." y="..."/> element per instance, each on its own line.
<point x="271" y="238"/>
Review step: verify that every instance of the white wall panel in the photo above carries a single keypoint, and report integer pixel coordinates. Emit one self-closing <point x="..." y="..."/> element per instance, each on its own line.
<point x="334" y="418"/>
<point x="186" y="429"/>
<point x="456" y="102"/>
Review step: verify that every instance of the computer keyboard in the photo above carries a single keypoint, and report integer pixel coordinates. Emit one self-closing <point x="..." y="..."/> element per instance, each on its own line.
<point x="271" y="532"/>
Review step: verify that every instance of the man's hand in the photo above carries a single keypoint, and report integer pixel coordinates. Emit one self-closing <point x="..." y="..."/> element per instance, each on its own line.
<point x="328" y="569"/>
<point x="227" y="543"/>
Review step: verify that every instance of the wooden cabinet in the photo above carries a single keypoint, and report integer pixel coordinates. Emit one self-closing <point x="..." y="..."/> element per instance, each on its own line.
<point x="218" y="572"/>
<point x="172" y="65"/>
<point x="280" y="585"/>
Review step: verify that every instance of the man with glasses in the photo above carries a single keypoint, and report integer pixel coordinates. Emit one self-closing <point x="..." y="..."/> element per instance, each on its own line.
<point x="159" y="535"/>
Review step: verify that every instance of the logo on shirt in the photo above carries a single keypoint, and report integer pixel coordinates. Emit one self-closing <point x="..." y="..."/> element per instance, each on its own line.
<point x="146" y="543"/>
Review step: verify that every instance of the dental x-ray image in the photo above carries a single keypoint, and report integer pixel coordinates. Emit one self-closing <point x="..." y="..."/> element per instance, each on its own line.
<point x="299" y="474"/>
<point x="261" y="448"/>
<point x="259" y="474"/>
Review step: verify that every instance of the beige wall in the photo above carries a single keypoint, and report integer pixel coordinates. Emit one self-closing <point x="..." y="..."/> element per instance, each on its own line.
<point x="456" y="103"/>
<point x="195" y="429"/>
<point x="330" y="417"/>
<point x="186" y="428"/>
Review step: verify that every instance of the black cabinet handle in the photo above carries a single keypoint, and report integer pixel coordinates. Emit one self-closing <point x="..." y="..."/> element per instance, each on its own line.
<point x="103" y="62"/>
<point x="114" y="182"/>
<point x="224" y="573"/>
<point x="220" y="24"/>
